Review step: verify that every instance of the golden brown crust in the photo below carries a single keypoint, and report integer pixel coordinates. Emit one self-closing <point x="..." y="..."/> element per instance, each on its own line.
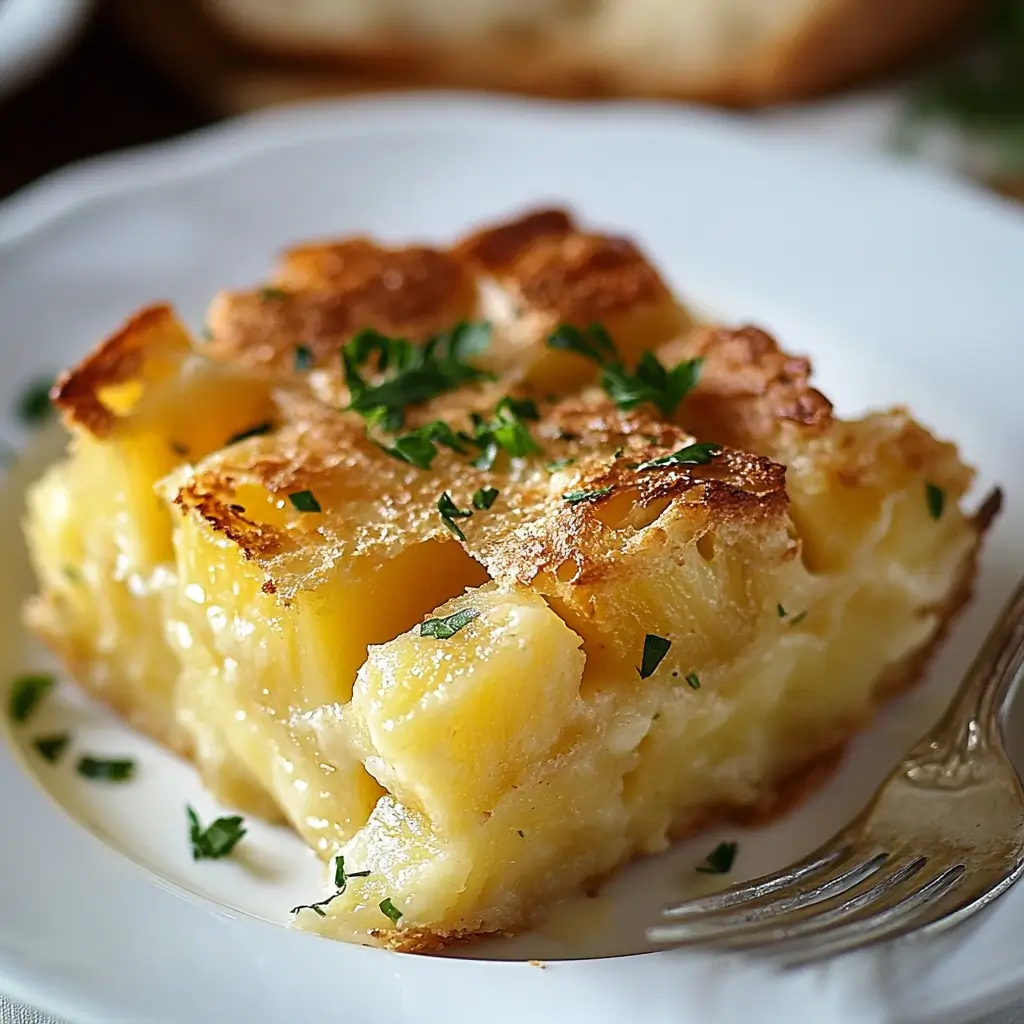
<point x="748" y="387"/>
<point x="496" y="248"/>
<point x="841" y="42"/>
<point x="583" y="278"/>
<point x="533" y="529"/>
<point x="326" y="293"/>
<point x="148" y="335"/>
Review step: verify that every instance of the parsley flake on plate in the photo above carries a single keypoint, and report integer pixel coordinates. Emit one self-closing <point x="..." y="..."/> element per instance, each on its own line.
<point x="27" y="693"/>
<point x="303" y="358"/>
<point x="719" y="860"/>
<point x="655" y="649"/>
<point x="217" y="840"/>
<point x="693" y="680"/>
<point x="33" y="406"/>
<point x="51" y="748"/>
<point x="443" y="629"/>
<point x="115" y="769"/>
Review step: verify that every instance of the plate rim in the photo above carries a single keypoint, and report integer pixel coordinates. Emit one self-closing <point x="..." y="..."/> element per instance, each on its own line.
<point x="39" y="205"/>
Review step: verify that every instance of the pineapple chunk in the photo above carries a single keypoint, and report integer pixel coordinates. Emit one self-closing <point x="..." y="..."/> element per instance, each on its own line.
<point x="99" y="536"/>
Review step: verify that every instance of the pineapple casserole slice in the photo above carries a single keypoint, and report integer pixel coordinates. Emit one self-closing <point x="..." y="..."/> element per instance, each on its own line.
<point x="486" y="568"/>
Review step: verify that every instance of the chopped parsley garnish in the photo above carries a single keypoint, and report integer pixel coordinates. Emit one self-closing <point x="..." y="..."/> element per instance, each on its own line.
<point x="936" y="499"/>
<point x="577" y="497"/>
<point x="116" y="769"/>
<point x="691" y="455"/>
<point x="419" y="447"/>
<point x="303" y="501"/>
<point x="650" y="382"/>
<point x="505" y="431"/>
<point x="179" y="449"/>
<point x="318" y="908"/>
<point x="413" y="373"/>
<point x="719" y="860"/>
<point x="51" y="748"/>
<point x="655" y="649"/>
<point x="781" y="610"/>
<point x="27" y="693"/>
<point x="217" y="840"/>
<point x="485" y="497"/>
<point x="71" y="574"/>
<point x="389" y="910"/>
<point x="444" y="629"/>
<point x="256" y="430"/>
<point x="556" y="464"/>
<point x="303" y="358"/>
<point x="797" y="619"/>
<point x="33" y="405"/>
<point x="341" y="878"/>
<point x="450" y="512"/>
<point x="693" y="680"/>
<point x="273" y="294"/>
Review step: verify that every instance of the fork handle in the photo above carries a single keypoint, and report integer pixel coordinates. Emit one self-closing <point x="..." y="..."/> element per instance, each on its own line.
<point x="985" y="686"/>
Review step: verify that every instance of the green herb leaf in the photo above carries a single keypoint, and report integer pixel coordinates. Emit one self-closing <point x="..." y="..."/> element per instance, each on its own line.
<point x="576" y="497"/>
<point x="273" y="294"/>
<point x="217" y="840"/>
<point x="119" y="769"/>
<point x="781" y="610"/>
<point x="649" y="382"/>
<point x="414" y="373"/>
<point x="318" y="908"/>
<point x="655" y="649"/>
<point x="257" y="430"/>
<point x="592" y="342"/>
<point x="556" y="464"/>
<point x="27" y="692"/>
<point x="719" y="860"/>
<point x="179" y="449"/>
<point x="419" y="447"/>
<point x="450" y="512"/>
<point x="444" y="629"/>
<point x="691" y="455"/>
<point x="390" y="911"/>
<point x="693" y="680"/>
<point x="485" y="497"/>
<point x="303" y="501"/>
<point x="33" y="406"/>
<point x="936" y="499"/>
<point x="796" y="620"/>
<point x="52" y="747"/>
<point x="303" y="358"/>
<point x="341" y="877"/>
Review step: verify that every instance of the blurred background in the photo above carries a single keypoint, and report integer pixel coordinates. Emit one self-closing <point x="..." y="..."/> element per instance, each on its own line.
<point x="943" y="79"/>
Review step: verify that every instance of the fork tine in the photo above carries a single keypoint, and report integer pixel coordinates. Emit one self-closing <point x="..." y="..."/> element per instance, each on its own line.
<point x="923" y="909"/>
<point x="750" y="931"/>
<point x="757" y="888"/>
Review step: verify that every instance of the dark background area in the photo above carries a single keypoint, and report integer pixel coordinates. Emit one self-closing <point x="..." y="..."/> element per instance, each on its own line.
<point x="100" y="96"/>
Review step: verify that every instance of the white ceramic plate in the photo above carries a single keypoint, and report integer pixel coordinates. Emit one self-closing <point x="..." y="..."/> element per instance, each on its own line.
<point x="32" y="33"/>
<point x="902" y="286"/>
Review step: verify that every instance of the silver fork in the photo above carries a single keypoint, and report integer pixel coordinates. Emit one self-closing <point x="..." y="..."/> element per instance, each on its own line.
<point x="942" y="837"/>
